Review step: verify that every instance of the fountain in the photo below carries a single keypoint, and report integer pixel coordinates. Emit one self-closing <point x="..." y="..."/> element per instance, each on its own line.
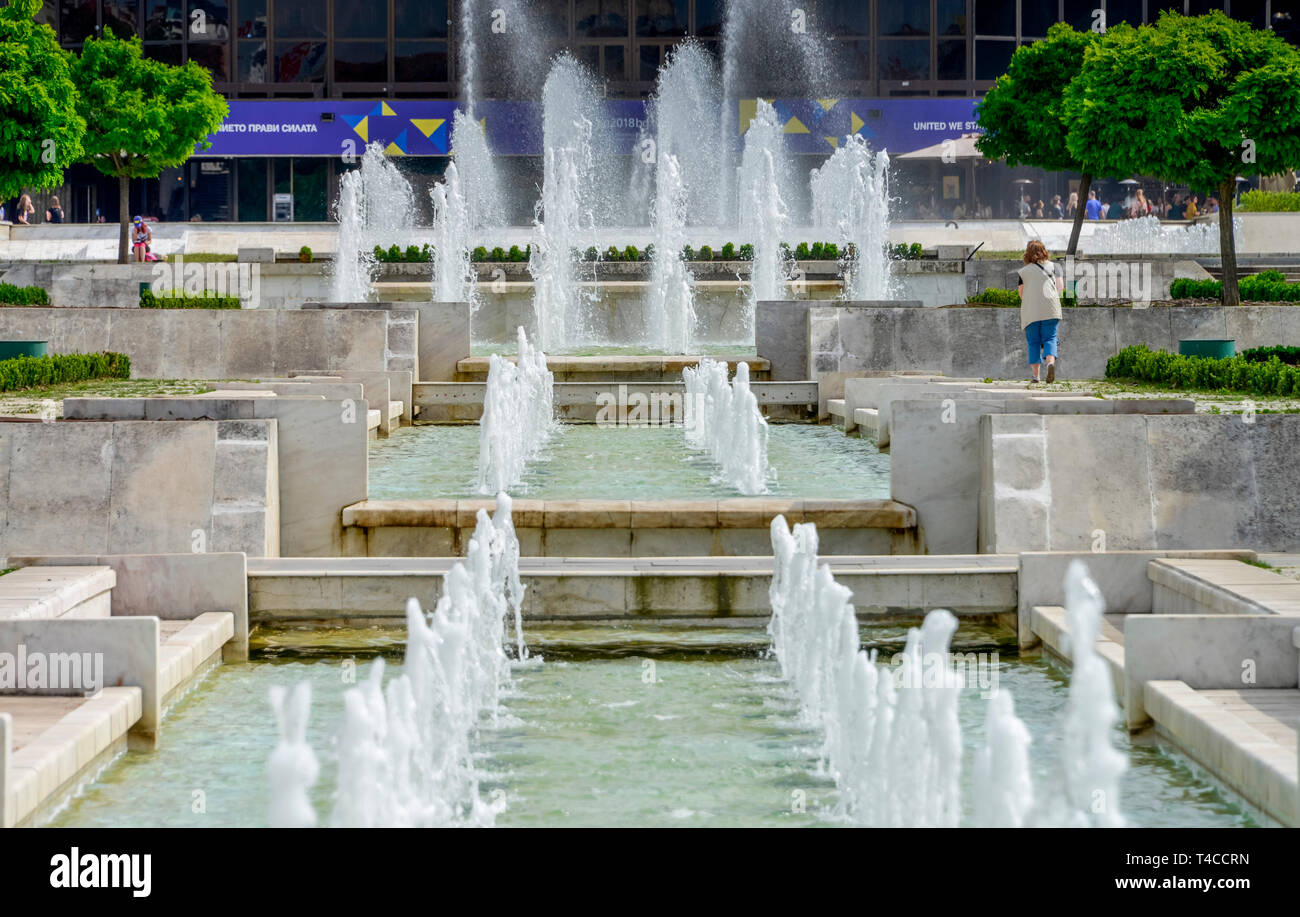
<point x="374" y="208"/>
<point x="1147" y="236"/>
<point x="453" y="274"/>
<point x="405" y="749"/>
<point x="724" y="420"/>
<point x="891" y="738"/>
<point x="684" y="116"/>
<point x="764" y="216"/>
<point x="850" y="195"/>
<point x="671" y="298"/>
<point x="293" y="768"/>
<point x="518" y="416"/>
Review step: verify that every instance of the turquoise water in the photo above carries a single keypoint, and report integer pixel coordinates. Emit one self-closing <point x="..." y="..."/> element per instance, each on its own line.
<point x="626" y="463"/>
<point x="621" y="726"/>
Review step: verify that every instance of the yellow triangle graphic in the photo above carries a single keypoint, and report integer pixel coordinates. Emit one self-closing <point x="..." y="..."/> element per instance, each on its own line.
<point x="427" y="126"/>
<point x="855" y="123"/>
<point x="834" y="142"/>
<point x="387" y="109"/>
<point x="363" y="129"/>
<point x="393" y="150"/>
<point x="795" y="126"/>
<point x="482" y="122"/>
<point x="748" y="108"/>
<point x="827" y="104"/>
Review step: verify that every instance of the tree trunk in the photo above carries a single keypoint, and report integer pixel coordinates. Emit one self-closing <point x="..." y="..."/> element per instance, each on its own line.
<point x="1227" y="242"/>
<point x="1085" y="182"/>
<point x="124" y="214"/>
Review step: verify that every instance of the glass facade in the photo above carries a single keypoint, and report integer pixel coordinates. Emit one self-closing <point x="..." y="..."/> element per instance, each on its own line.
<point x="364" y="49"/>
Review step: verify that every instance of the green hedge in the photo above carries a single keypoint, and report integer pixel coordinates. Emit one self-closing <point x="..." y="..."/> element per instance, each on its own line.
<point x="1266" y="286"/>
<point x="1269" y="201"/>
<point x="1288" y="355"/>
<point x="149" y="301"/>
<point x="27" y="372"/>
<point x="994" y="296"/>
<point x="11" y="295"/>
<point x="1140" y="363"/>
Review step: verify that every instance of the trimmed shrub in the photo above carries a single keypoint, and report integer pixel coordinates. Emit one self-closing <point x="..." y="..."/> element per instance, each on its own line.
<point x="305" y="255"/>
<point x="745" y="252"/>
<point x="649" y="253"/>
<point x="831" y="251"/>
<point x="1271" y="377"/>
<point x="993" y="296"/>
<point x="28" y="372"/>
<point x="149" y="301"/>
<point x="479" y="254"/>
<point x="1269" y="201"/>
<point x="1267" y="286"/>
<point x="688" y="253"/>
<point x="1288" y="355"/>
<point x="728" y="252"/>
<point x="413" y="253"/>
<point x="631" y="254"/>
<point x="11" y="295"/>
<point x="704" y="254"/>
<point x="498" y="254"/>
<point x="394" y="252"/>
<point x="613" y="254"/>
<point x="802" y="252"/>
<point x="516" y="254"/>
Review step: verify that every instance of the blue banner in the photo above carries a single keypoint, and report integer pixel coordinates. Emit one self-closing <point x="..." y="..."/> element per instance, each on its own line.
<point x="416" y="127"/>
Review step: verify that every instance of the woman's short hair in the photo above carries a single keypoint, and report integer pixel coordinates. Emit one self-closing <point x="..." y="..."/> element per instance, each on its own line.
<point x="1035" y="252"/>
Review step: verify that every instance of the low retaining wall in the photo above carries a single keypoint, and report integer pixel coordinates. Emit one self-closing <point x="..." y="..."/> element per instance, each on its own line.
<point x="1138" y="482"/>
<point x="320" y="464"/>
<point x="139" y="487"/>
<point x="623" y="528"/>
<point x="225" y="343"/>
<point x="935" y="451"/>
<point x="983" y="342"/>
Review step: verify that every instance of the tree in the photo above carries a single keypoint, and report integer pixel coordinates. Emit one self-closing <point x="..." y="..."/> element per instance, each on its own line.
<point x="40" y="129"/>
<point x="1023" y="115"/>
<point x="142" y="115"/>
<point x="1197" y="99"/>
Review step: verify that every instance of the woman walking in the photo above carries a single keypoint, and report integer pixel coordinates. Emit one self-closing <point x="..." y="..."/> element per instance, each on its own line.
<point x="1040" y="308"/>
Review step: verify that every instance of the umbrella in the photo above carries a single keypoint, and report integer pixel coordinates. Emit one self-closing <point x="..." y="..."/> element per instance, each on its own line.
<point x="962" y="147"/>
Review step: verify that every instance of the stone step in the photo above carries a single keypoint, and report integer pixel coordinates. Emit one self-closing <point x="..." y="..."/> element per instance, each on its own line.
<point x="1214" y="586"/>
<point x="627" y="367"/>
<point x="56" y="592"/>
<point x="595" y="588"/>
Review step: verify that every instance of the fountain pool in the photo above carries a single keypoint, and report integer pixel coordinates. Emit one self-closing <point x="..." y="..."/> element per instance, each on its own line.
<point x="627" y="725"/>
<point x="626" y="463"/>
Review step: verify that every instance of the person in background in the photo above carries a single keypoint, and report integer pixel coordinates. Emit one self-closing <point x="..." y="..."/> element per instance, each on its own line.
<point x="1039" y="211"/>
<point x="1024" y="208"/>
<point x="1140" y="206"/>
<point x="1212" y="205"/>
<point x="1040" y="308"/>
<point x="54" y="213"/>
<point x="1190" y="211"/>
<point x="141" y="237"/>
<point x="1056" y="212"/>
<point x="24" y="208"/>
<point x="1093" y="207"/>
<point x="1072" y="206"/>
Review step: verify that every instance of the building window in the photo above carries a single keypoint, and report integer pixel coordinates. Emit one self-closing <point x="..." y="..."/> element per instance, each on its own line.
<point x="77" y="20"/>
<point x="213" y="24"/>
<point x="709" y="15"/>
<point x="251" y="66"/>
<point x="252" y="19"/>
<point x="1037" y="18"/>
<point x="1080" y="13"/>
<point x="1130" y="11"/>
<point x="655" y="18"/>
<point x="299" y="19"/>
<point x="995" y="17"/>
<point x="420" y="18"/>
<point x="951" y="17"/>
<point x="904" y="60"/>
<point x="950" y="60"/>
<point x="600" y="18"/>
<point x="361" y="61"/>
<point x="845" y="17"/>
<point x="215" y="56"/>
<point x="120" y="16"/>
<point x="360" y="19"/>
<point x="992" y="58"/>
<point x="421" y="61"/>
<point x="164" y="20"/>
<point x="299" y="61"/>
<point x="903" y="17"/>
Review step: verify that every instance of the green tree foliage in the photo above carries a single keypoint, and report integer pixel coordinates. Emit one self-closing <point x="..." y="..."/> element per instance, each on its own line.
<point x="142" y="116"/>
<point x="40" y="128"/>
<point x="1024" y="116"/>
<point x="1198" y="99"/>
